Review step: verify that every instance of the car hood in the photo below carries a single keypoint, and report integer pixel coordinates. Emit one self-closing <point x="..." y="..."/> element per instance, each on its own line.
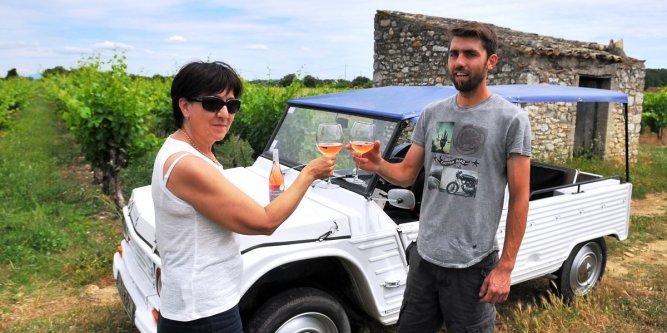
<point x="313" y="219"/>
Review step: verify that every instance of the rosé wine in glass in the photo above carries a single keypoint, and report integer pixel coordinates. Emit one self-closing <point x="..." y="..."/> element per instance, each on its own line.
<point x="329" y="148"/>
<point x="362" y="140"/>
<point x="362" y="147"/>
<point x="329" y="139"/>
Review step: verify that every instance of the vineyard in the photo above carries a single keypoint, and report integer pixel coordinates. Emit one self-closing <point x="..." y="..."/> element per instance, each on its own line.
<point x="118" y="119"/>
<point x="654" y="113"/>
<point x="15" y="93"/>
<point x="59" y="231"/>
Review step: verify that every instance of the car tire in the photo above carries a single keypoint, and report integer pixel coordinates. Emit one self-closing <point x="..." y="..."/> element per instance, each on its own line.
<point x="300" y="310"/>
<point x="582" y="270"/>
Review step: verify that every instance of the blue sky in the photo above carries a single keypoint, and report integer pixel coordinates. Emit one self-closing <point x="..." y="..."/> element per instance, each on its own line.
<point x="269" y="39"/>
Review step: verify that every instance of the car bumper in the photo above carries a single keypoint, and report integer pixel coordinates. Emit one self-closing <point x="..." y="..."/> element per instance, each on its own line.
<point x="137" y="305"/>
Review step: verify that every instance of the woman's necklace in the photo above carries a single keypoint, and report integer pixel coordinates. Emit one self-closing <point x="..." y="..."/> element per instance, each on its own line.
<point x="197" y="148"/>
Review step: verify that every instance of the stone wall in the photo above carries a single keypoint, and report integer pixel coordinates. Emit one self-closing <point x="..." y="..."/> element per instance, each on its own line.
<point x="412" y="49"/>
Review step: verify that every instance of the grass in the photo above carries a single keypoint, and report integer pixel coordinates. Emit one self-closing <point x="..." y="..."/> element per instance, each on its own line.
<point x="608" y="309"/>
<point x="648" y="174"/>
<point x="98" y="318"/>
<point x="635" y="303"/>
<point x="632" y="302"/>
<point x="59" y="233"/>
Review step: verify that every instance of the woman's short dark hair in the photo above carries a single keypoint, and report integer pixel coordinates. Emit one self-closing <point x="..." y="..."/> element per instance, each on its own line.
<point x="480" y="31"/>
<point x="203" y="79"/>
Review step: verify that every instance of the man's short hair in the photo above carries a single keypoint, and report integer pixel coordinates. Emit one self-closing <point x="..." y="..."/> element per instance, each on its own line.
<point x="480" y="31"/>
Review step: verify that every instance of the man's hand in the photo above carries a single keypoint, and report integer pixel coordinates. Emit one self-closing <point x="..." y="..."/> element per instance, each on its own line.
<point x="496" y="286"/>
<point x="369" y="161"/>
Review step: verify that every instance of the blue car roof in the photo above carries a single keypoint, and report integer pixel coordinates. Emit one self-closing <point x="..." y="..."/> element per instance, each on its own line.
<point x="407" y="102"/>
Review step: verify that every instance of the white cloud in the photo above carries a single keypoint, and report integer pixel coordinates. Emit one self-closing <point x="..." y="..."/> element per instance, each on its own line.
<point x="76" y="50"/>
<point x="113" y="45"/>
<point x="257" y="47"/>
<point x="268" y="38"/>
<point x="176" y="38"/>
<point x="20" y="44"/>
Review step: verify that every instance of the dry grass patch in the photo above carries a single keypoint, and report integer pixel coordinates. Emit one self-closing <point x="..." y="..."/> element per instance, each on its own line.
<point x="655" y="204"/>
<point x="53" y="301"/>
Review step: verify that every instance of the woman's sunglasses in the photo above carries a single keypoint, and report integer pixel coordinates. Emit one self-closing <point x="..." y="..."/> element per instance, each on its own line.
<point x="215" y="103"/>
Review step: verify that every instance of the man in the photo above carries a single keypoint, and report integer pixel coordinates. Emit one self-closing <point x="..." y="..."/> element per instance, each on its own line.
<point x="472" y="145"/>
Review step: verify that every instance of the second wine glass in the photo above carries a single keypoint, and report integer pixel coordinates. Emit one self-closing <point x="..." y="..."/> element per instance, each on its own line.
<point x="362" y="139"/>
<point x="329" y="138"/>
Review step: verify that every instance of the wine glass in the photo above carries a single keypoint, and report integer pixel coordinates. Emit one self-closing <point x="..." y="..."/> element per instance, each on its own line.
<point x="329" y="140"/>
<point x="362" y="140"/>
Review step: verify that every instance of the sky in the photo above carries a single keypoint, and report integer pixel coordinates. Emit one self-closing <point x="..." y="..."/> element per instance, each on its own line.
<point x="266" y="39"/>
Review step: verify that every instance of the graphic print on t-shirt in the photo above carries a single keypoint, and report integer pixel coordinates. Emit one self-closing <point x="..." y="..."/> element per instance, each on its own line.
<point x="459" y="182"/>
<point x="456" y="151"/>
<point x="442" y="138"/>
<point x="470" y="139"/>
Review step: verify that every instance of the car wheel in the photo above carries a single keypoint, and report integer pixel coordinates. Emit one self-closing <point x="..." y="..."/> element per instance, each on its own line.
<point x="300" y="310"/>
<point x="582" y="270"/>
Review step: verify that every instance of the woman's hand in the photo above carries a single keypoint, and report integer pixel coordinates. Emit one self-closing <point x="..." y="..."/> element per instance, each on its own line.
<point x="320" y="168"/>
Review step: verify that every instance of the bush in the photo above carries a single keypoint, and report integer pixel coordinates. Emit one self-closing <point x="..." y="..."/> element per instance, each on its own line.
<point x="110" y="113"/>
<point x="235" y="152"/>
<point x="15" y="93"/>
<point x="654" y="113"/>
<point x="261" y="110"/>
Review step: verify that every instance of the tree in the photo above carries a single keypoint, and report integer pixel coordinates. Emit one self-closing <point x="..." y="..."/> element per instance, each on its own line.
<point x="655" y="78"/>
<point x="12" y="73"/>
<point x="310" y="81"/>
<point x="362" y="81"/>
<point x="54" y="71"/>
<point x="654" y="112"/>
<point x="286" y="81"/>
<point x="342" y="84"/>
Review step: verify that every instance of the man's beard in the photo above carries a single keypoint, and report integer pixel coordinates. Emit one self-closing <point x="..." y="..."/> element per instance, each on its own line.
<point x="474" y="80"/>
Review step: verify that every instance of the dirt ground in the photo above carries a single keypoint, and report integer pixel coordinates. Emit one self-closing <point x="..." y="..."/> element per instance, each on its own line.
<point x="652" y="138"/>
<point x="42" y="304"/>
<point x="654" y="204"/>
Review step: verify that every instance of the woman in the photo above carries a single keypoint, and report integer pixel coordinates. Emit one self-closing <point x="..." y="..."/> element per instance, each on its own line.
<point x="198" y="212"/>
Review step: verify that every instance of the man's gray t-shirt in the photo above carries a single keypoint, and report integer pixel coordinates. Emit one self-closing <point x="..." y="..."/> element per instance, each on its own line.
<point x="466" y="152"/>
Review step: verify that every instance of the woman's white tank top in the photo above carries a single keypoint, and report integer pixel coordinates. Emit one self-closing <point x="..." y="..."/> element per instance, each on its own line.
<point x="201" y="262"/>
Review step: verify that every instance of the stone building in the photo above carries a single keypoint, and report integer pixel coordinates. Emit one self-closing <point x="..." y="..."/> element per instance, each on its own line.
<point x="411" y="49"/>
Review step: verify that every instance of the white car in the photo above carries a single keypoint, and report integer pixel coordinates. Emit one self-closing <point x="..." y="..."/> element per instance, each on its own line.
<point x="342" y="254"/>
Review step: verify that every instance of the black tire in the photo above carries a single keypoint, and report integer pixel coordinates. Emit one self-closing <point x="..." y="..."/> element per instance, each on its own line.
<point x="452" y="187"/>
<point x="582" y="270"/>
<point x="300" y="310"/>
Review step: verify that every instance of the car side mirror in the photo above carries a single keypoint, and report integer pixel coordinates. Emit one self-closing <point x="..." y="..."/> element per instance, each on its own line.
<point x="401" y="198"/>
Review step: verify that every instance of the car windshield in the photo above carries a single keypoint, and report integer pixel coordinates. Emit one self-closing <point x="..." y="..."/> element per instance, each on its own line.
<point x="295" y="139"/>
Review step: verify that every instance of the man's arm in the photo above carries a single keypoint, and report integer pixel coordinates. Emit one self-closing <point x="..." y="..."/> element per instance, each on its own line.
<point x="496" y="286"/>
<point x="401" y="174"/>
<point x="405" y="172"/>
